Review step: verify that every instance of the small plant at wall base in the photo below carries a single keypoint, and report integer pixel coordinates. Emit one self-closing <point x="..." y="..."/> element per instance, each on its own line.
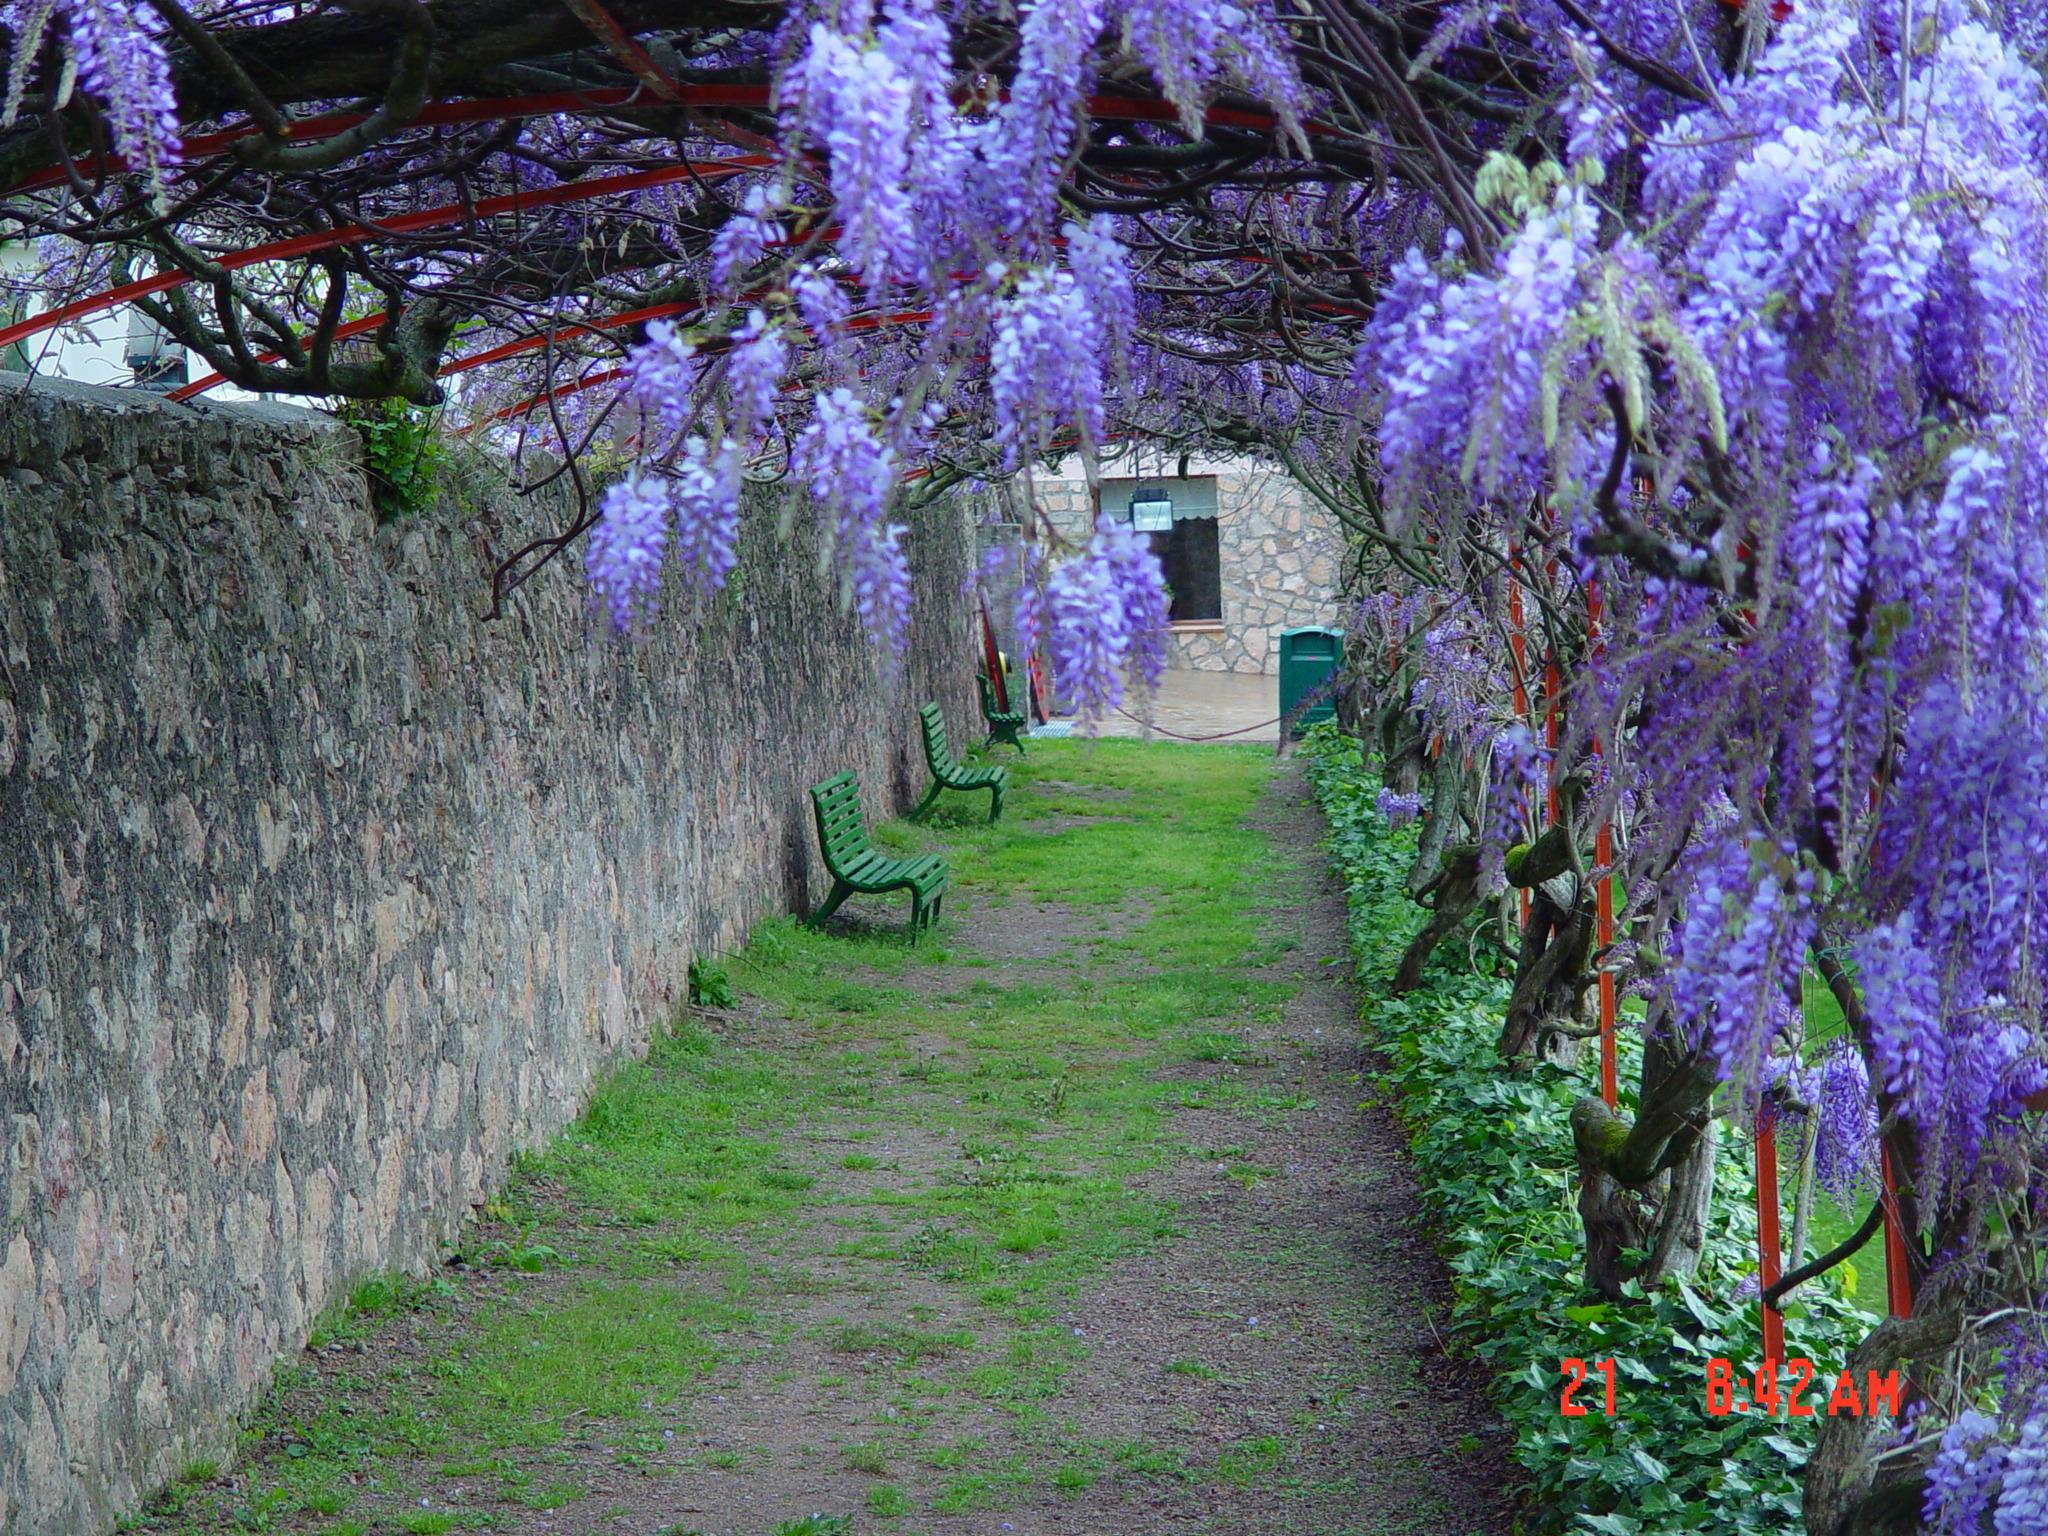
<point x="709" y="986"/>
<point x="403" y="451"/>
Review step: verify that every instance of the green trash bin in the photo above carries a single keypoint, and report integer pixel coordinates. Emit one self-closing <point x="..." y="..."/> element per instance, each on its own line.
<point x="1310" y="656"/>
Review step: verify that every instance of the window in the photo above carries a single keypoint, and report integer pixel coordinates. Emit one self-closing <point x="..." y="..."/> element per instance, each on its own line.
<point x="1190" y="554"/>
<point x="1194" y="569"/>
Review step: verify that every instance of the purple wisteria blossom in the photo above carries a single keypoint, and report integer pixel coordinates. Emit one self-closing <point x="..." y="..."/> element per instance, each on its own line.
<point x="1102" y="272"/>
<point x="858" y="101"/>
<point x="823" y="305"/>
<point x="1106" y="616"/>
<point x="1845" y="1145"/>
<point x="743" y="238"/>
<point x="1190" y="43"/>
<point x="664" y="371"/>
<point x="1034" y="128"/>
<point x="625" y="550"/>
<point x="753" y="374"/>
<point x="1044" y="368"/>
<point x="1738" y="954"/>
<point x="706" y="499"/>
<point x="1397" y="808"/>
<point x="851" y="475"/>
<point x="118" y="45"/>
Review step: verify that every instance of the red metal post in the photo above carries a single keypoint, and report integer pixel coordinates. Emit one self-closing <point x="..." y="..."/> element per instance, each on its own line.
<point x="1603" y="933"/>
<point x="1769" y="1255"/>
<point x="1898" y="1279"/>
<point x="1518" y="650"/>
<point x="1603" y="895"/>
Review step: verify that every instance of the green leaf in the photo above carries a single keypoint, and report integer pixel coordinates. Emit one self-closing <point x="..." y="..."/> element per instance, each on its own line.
<point x="1649" y="1465"/>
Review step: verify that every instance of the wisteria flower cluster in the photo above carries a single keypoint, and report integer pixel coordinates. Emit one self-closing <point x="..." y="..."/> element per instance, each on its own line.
<point x="1104" y="617"/>
<point x="119" y="50"/>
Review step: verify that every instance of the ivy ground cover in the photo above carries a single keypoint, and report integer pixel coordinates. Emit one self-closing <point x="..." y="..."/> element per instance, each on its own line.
<point x="1493" y="1149"/>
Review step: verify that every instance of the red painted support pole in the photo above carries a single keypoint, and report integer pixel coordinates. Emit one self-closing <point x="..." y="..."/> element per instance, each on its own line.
<point x="1898" y="1279"/>
<point x="1552" y="686"/>
<point x="1603" y="896"/>
<point x="1769" y="1254"/>
<point x="1603" y="934"/>
<point x="1518" y="649"/>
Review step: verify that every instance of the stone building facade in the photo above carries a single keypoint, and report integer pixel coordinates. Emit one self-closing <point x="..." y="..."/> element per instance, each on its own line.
<point x="1276" y="554"/>
<point x="320" y="896"/>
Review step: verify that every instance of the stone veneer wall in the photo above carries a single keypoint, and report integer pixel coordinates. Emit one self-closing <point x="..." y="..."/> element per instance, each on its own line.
<point x="319" y="897"/>
<point x="1280" y="555"/>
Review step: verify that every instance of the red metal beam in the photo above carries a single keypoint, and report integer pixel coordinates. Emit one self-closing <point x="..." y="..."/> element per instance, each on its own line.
<point x="1898" y="1277"/>
<point x="399" y="224"/>
<point x="523" y="344"/>
<point x="442" y="114"/>
<point x="606" y="29"/>
<point x="591" y="381"/>
<point x="436" y="114"/>
<point x="560" y="391"/>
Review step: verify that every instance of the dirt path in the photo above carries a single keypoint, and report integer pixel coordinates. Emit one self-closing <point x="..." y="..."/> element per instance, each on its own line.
<point x="1072" y="1227"/>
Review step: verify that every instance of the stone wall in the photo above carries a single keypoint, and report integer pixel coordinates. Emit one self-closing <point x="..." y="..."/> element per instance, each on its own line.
<point x="319" y="897"/>
<point x="1280" y="556"/>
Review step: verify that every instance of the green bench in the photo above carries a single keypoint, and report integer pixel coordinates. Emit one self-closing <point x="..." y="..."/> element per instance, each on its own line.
<point x="857" y="867"/>
<point x="949" y="774"/>
<point x="1003" y="724"/>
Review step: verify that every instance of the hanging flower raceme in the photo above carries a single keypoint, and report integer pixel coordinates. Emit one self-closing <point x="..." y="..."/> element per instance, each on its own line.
<point x="1986" y="1472"/>
<point x="625" y="550"/>
<point x="119" y="50"/>
<point x="743" y="238"/>
<point x="857" y="100"/>
<point x="1102" y="273"/>
<point x="706" y="500"/>
<point x="824" y="306"/>
<point x="1106" y="614"/>
<point x="1457" y="362"/>
<point x="753" y="374"/>
<point x="1045" y="365"/>
<point x="1189" y="44"/>
<point x="852" y="478"/>
<point x="1034" y="127"/>
<point x="1845" y="1145"/>
<point x="1739" y="953"/>
<point x="663" y="371"/>
<point x="1398" y="808"/>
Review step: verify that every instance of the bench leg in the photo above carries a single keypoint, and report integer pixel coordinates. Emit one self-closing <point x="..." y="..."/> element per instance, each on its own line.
<point x="931" y="799"/>
<point x="917" y="915"/>
<point x="995" y="803"/>
<point x="840" y="891"/>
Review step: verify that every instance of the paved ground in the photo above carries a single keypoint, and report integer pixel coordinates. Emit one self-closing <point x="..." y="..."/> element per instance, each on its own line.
<point x="1208" y="704"/>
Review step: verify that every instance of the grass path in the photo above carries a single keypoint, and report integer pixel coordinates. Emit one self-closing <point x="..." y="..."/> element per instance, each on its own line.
<point x="1064" y="1221"/>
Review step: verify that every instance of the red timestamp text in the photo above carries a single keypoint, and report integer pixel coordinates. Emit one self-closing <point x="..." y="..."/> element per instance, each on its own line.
<point x="1731" y="1391"/>
<point x="1575" y="1377"/>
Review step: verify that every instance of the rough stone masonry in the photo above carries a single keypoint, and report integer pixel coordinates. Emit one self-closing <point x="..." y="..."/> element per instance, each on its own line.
<point x="319" y="896"/>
